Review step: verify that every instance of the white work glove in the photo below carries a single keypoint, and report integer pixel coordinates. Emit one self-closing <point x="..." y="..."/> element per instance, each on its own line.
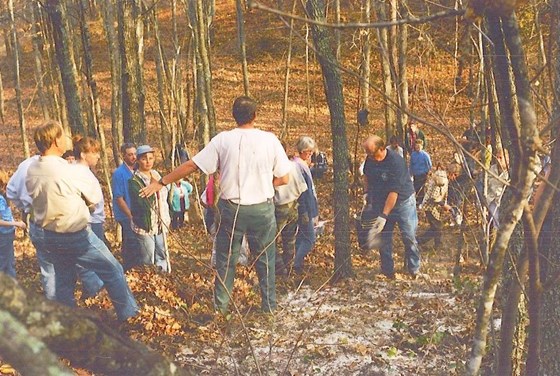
<point x="374" y="233"/>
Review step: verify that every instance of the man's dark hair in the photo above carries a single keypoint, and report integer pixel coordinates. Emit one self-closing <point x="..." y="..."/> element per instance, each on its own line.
<point x="244" y="109"/>
<point x="125" y="146"/>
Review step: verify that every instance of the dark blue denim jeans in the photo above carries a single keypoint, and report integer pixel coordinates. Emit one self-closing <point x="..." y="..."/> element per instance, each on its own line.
<point x="66" y="250"/>
<point x="7" y="260"/>
<point x="130" y="246"/>
<point x="405" y="215"/>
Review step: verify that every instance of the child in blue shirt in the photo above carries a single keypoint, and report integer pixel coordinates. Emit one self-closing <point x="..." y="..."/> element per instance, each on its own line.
<point x="7" y="230"/>
<point x="179" y="202"/>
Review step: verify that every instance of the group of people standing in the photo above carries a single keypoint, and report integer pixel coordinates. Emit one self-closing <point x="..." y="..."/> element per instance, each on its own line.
<point x="260" y="194"/>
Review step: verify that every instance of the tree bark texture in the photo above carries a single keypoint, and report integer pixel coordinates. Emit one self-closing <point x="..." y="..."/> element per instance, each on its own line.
<point x="26" y="353"/>
<point x="115" y="58"/>
<point x="56" y="10"/>
<point x="78" y="336"/>
<point x="521" y="182"/>
<point x="132" y="82"/>
<point x="242" y="46"/>
<point x="335" y="99"/>
<point x="550" y="361"/>
<point x="19" y="99"/>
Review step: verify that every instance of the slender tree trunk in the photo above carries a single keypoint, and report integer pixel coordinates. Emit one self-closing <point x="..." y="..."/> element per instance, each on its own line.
<point x="522" y="179"/>
<point x="116" y="94"/>
<point x="384" y="56"/>
<point x="550" y="361"/>
<point x="284" y="122"/>
<point x="94" y="97"/>
<point x="56" y="10"/>
<point x="2" y="100"/>
<point x="36" y="40"/>
<point x="19" y="99"/>
<point x="365" y="69"/>
<point x="402" y="80"/>
<point x="241" y="44"/>
<point x="132" y="81"/>
<point x="164" y="113"/>
<point x="335" y="100"/>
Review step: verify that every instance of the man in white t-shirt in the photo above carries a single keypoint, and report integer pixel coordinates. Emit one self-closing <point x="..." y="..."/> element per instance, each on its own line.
<point x="251" y="162"/>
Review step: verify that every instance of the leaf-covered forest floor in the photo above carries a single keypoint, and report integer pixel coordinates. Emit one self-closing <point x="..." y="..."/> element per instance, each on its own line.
<point x="366" y="325"/>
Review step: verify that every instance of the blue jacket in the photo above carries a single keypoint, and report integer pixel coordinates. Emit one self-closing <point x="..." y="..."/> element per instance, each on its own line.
<point x="420" y="163"/>
<point x="307" y="201"/>
<point x="175" y="202"/>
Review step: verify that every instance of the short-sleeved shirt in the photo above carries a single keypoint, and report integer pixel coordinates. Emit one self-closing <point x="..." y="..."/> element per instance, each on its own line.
<point x="6" y="215"/>
<point x="388" y="175"/>
<point x="248" y="160"/>
<point x="119" y="185"/>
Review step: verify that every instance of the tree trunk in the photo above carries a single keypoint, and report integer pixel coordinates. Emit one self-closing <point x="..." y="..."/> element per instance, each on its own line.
<point x="335" y="100"/>
<point x="521" y="183"/>
<point x="19" y="99"/>
<point x="36" y="40"/>
<point x="94" y="98"/>
<point x="384" y="57"/>
<point x="132" y="82"/>
<point x="365" y="68"/>
<point x="116" y="94"/>
<point x="78" y="336"/>
<point x="550" y="361"/>
<point x="56" y="10"/>
<point x="402" y="80"/>
<point x="284" y="122"/>
<point x="241" y="44"/>
<point x="26" y="353"/>
<point x="164" y="113"/>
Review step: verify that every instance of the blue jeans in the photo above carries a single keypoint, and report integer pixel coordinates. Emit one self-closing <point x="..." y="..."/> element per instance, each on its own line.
<point x="404" y="214"/>
<point x="98" y="230"/>
<point x="152" y="251"/>
<point x="305" y="240"/>
<point x="91" y="284"/>
<point x="259" y="224"/>
<point x="130" y="246"/>
<point x="37" y="236"/>
<point x="7" y="261"/>
<point x="85" y="248"/>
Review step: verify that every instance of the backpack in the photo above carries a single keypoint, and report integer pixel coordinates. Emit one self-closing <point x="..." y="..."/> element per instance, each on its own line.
<point x="320" y="164"/>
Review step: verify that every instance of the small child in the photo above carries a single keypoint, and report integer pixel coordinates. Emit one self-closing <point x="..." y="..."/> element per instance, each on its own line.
<point x="7" y="230"/>
<point x="434" y="201"/>
<point x="179" y="203"/>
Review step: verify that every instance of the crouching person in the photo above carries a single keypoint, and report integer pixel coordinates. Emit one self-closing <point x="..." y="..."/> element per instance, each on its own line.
<point x="61" y="194"/>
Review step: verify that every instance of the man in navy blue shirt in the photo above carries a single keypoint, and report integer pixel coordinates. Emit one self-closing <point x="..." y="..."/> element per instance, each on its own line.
<point x="390" y="200"/>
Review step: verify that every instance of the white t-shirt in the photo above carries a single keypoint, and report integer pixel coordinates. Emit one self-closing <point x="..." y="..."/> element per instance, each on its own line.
<point x="98" y="214"/>
<point x="248" y="160"/>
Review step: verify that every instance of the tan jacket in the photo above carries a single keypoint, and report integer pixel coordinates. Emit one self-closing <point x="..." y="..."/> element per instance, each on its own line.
<point x="61" y="194"/>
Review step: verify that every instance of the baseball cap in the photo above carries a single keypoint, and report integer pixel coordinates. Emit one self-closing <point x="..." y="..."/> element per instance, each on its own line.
<point x="143" y="149"/>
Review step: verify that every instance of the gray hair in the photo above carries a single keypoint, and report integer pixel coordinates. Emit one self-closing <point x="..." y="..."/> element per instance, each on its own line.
<point x="305" y="143"/>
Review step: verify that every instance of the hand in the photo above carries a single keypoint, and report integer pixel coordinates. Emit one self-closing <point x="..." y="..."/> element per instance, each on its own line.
<point x="374" y="237"/>
<point x="152" y="188"/>
<point x="305" y="218"/>
<point x="20" y="224"/>
<point x="420" y="207"/>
